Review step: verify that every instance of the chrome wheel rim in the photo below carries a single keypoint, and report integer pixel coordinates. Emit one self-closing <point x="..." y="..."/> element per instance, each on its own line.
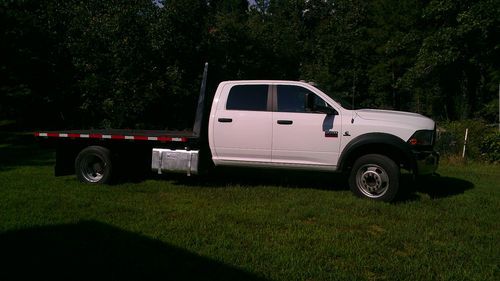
<point x="93" y="168"/>
<point x="372" y="180"/>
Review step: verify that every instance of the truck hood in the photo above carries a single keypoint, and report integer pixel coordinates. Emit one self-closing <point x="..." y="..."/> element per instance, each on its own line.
<point x="412" y="119"/>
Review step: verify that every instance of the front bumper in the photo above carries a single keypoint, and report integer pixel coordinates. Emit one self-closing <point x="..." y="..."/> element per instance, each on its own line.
<point x="427" y="162"/>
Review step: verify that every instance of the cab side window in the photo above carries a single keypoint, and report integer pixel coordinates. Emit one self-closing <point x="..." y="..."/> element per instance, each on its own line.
<point x="298" y="99"/>
<point x="248" y="97"/>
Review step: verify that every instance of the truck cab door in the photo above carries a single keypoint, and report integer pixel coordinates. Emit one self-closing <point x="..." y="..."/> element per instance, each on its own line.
<point x="242" y="125"/>
<point x="305" y="129"/>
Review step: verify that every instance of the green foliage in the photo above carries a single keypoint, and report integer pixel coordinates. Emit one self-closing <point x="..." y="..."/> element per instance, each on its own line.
<point x="138" y="63"/>
<point x="451" y="137"/>
<point x="454" y="57"/>
<point x="490" y="148"/>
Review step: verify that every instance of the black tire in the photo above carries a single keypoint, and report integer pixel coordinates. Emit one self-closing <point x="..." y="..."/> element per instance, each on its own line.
<point x="375" y="177"/>
<point x="93" y="165"/>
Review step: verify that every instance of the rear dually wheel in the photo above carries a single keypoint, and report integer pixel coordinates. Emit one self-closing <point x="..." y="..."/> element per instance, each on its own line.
<point x="93" y="165"/>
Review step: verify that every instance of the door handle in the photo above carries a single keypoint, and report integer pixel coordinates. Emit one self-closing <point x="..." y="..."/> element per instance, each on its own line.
<point x="225" y="120"/>
<point x="285" y="122"/>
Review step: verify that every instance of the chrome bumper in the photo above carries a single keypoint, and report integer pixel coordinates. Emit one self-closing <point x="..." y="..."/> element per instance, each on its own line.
<point x="427" y="162"/>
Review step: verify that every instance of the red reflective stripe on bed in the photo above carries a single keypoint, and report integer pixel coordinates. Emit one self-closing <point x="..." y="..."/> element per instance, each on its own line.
<point x="114" y="137"/>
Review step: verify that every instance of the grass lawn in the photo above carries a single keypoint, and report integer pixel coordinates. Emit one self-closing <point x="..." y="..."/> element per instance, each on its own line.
<point x="242" y="226"/>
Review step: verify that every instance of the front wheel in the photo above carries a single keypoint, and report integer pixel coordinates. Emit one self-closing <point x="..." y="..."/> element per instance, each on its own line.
<point x="93" y="165"/>
<point x="375" y="177"/>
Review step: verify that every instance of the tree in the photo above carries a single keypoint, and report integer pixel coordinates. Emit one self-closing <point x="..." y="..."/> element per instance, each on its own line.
<point x="138" y="63"/>
<point x="458" y="56"/>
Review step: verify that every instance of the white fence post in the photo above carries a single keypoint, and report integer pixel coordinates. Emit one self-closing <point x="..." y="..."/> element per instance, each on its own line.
<point x="465" y="142"/>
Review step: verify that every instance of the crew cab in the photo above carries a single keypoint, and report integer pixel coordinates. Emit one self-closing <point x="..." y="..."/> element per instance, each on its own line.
<point x="267" y="124"/>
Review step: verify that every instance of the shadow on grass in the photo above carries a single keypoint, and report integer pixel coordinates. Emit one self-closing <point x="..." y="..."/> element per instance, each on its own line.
<point x="440" y="187"/>
<point x="226" y="176"/>
<point x="20" y="149"/>
<point x="91" y="250"/>
<point x="433" y="186"/>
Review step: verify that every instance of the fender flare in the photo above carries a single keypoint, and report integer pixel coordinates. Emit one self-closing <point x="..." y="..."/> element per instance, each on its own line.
<point x="384" y="139"/>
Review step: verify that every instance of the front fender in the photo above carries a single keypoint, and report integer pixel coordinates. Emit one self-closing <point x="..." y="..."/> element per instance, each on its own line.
<point x="376" y="143"/>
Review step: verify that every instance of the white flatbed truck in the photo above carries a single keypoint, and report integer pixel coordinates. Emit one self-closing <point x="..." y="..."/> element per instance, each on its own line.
<point x="267" y="124"/>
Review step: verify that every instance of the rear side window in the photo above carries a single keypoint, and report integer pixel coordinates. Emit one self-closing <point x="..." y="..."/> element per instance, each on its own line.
<point x="247" y="97"/>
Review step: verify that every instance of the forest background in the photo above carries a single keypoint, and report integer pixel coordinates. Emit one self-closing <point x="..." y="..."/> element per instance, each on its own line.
<point x="138" y="64"/>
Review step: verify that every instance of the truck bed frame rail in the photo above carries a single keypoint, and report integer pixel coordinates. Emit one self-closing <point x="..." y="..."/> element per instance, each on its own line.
<point x="90" y="135"/>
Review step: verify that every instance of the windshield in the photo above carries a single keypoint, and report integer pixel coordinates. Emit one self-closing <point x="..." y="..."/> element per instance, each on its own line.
<point x="336" y="97"/>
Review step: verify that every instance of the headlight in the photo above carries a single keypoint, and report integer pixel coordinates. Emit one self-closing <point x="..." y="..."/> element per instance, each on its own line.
<point x="422" y="138"/>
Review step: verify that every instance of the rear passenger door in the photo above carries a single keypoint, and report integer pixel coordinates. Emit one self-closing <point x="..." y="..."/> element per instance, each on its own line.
<point x="305" y="129"/>
<point x="242" y="129"/>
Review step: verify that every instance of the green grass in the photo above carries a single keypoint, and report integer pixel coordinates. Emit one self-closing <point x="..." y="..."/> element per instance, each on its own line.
<point x="253" y="225"/>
